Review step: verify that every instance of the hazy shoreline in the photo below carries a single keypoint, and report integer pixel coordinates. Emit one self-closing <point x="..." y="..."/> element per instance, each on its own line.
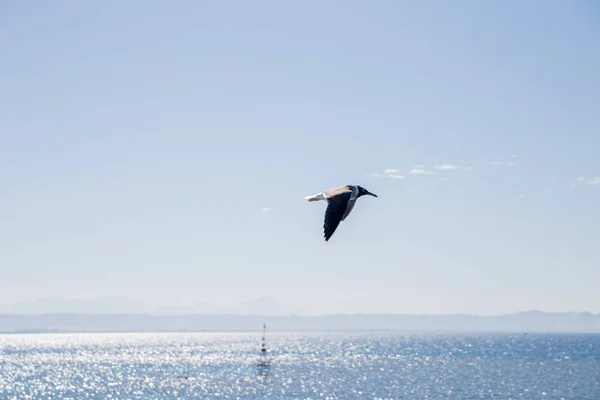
<point x="525" y="322"/>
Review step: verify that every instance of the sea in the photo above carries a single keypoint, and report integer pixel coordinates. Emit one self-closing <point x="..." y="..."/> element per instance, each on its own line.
<point x="330" y="365"/>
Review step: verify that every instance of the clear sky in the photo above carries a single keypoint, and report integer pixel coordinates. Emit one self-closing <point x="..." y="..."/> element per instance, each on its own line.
<point x="142" y="142"/>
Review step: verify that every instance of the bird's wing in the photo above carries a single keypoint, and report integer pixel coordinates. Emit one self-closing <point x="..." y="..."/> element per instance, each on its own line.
<point x="337" y="204"/>
<point x="338" y="190"/>
<point x="349" y="208"/>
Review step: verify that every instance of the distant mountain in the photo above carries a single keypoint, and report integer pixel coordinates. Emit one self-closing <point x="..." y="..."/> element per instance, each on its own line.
<point x="123" y="314"/>
<point x="124" y="305"/>
<point x="261" y="306"/>
<point x="197" y="308"/>
<point x="534" y="321"/>
<point x="100" y="305"/>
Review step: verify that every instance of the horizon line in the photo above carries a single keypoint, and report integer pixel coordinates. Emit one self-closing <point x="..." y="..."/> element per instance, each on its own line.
<point x="225" y="314"/>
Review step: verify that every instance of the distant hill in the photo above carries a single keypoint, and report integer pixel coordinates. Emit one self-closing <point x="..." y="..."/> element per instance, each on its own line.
<point x="532" y="321"/>
<point x="260" y="306"/>
<point x="123" y="305"/>
<point x="100" y="305"/>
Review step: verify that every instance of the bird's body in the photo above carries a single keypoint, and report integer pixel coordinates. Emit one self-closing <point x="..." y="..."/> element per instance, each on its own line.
<point x="340" y="202"/>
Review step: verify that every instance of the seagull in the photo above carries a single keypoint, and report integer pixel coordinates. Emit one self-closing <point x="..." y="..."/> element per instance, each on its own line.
<point x="340" y="202"/>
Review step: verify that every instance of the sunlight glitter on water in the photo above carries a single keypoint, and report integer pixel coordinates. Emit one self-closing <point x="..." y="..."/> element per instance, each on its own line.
<point x="303" y="366"/>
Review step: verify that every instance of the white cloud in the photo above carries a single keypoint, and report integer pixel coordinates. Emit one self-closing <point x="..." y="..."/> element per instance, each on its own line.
<point x="577" y="181"/>
<point x="419" y="171"/>
<point x="469" y="168"/>
<point x="491" y="164"/>
<point x="444" y="167"/>
<point x="595" y="181"/>
<point x="513" y="156"/>
<point x="510" y="164"/>
<point x="391" y="173"/>
<point x="265" y="209"/>
<point x="420" y="166"/>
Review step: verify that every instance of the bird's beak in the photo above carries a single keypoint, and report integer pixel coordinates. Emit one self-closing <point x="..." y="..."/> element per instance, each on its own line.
<point x="372" y="194"/>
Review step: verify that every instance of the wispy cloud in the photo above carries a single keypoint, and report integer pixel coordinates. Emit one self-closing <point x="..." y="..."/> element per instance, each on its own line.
<point x="419" y="171"/>
<point x="445" y="167"/>
<point x="392" y="173"/>
<point x="511" y="163"/>
<point x="595" y="181"/>
<point x="578" y="181"/>
<point x="265" y="209"/>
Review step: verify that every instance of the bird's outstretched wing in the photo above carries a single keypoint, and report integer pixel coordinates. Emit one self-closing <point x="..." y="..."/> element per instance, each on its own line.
<point x="349" y="208"/>
<point x="337" y="205"/>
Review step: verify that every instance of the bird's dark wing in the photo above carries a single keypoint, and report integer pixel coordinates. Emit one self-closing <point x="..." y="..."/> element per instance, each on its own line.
<point x="336" y="209"/>
<point x="349" y="208"/>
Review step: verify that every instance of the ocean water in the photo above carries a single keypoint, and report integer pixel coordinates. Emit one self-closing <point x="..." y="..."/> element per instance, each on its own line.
<point x="300" y="366"/>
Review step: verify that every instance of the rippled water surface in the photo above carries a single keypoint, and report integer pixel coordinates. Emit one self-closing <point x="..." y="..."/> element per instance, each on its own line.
<point x="302" y="366"/>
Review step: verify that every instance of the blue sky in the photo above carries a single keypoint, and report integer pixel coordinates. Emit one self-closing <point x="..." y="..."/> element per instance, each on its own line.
<point x="140" y="142"/>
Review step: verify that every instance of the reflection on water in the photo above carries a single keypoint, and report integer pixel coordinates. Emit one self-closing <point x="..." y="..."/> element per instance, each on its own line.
<point x="263" y="370"/>
<point x="299" y="366"/>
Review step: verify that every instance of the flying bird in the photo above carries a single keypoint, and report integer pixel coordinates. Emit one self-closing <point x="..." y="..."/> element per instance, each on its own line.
<point x="340" y="202"/>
